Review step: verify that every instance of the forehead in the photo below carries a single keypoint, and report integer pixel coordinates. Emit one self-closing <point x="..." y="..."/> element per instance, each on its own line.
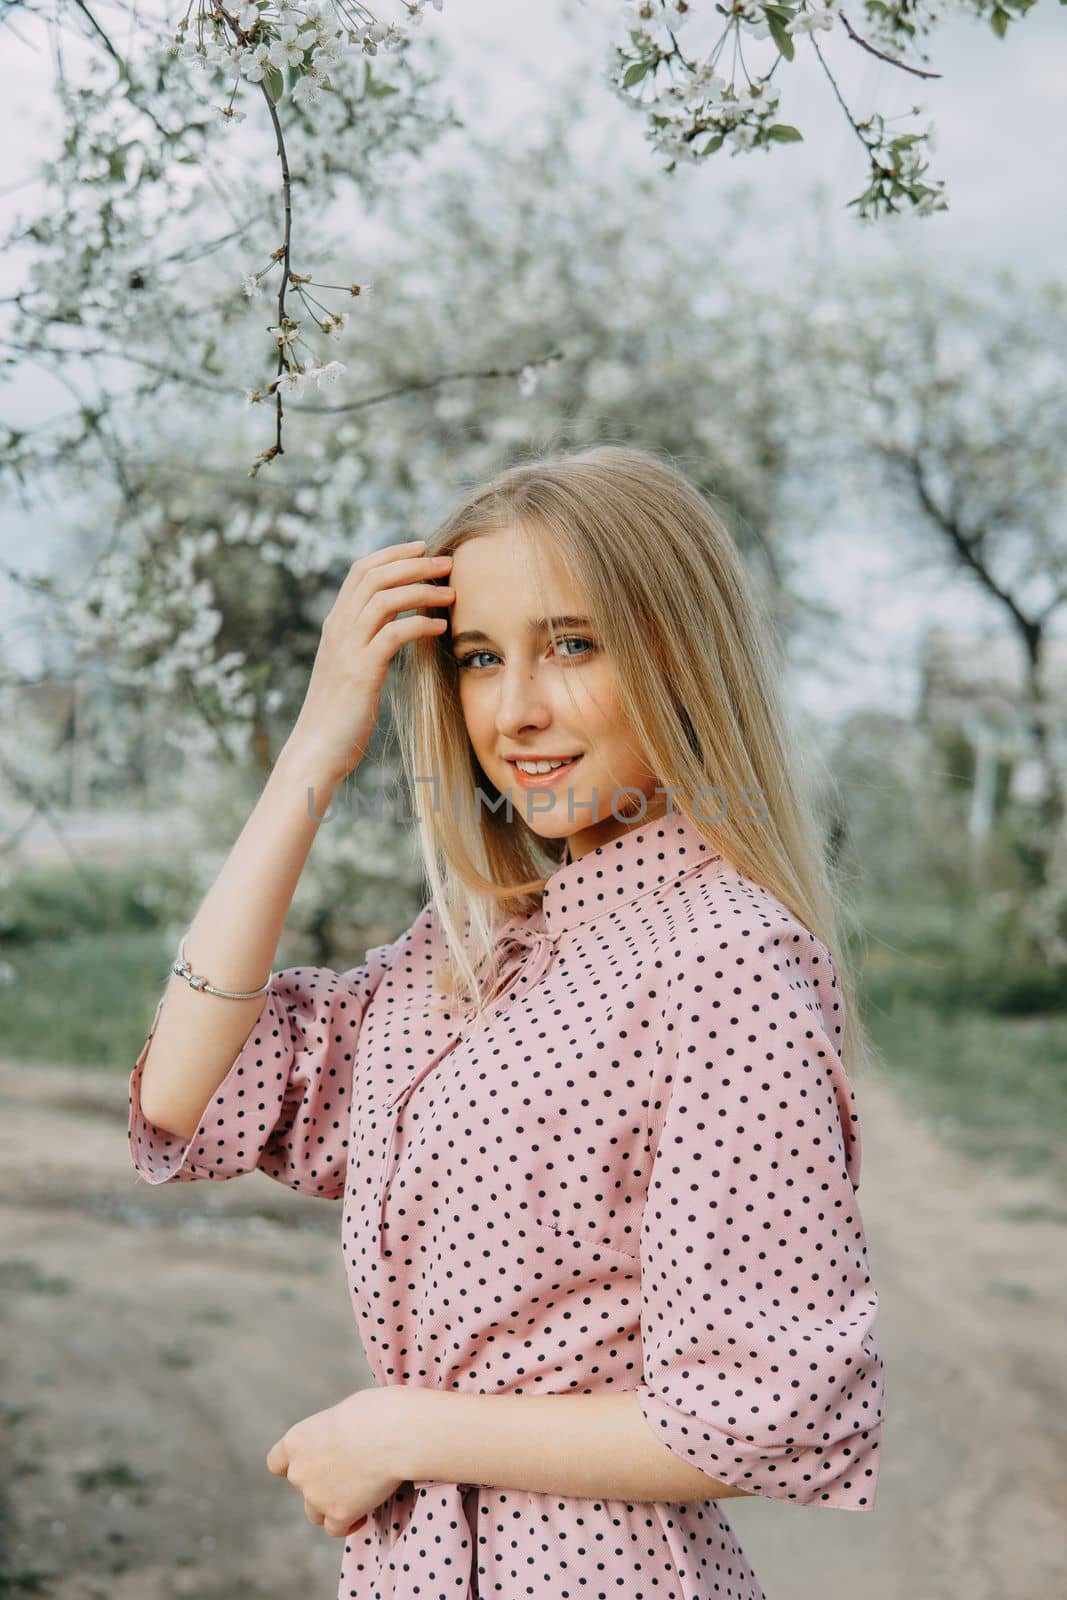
<point x="512" y="566"/>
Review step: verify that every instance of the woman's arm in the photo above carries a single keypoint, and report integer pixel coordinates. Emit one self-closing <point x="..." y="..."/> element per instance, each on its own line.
<point x="234" y="936"/>
<point x="232" y="940"/>
<point x="594" y="1446"/>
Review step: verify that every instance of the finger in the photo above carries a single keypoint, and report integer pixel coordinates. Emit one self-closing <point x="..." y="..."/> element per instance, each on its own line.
<point x="312" y="1514"/>
<point x="278" y="1459"/>
<point x="385" y="603"/>
<point x="410" y="554"/>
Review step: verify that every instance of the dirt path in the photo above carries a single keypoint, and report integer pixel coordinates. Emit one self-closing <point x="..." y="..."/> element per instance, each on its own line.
<point x="157" y="1341"/>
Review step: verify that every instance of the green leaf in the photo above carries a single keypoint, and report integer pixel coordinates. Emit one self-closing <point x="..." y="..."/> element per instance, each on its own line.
<point x="274" y="84"/>
<point x="783" y="40"/>
<point x="784" y="133"/>
<point x="999" y="22"/>
<point x="713" y="144"/>
<point x="634" y="73"/>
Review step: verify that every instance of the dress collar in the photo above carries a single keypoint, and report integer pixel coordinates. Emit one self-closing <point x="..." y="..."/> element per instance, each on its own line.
<point x="643" y="859"/>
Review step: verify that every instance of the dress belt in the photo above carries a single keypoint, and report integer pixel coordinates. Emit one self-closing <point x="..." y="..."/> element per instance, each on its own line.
<point x="515" y="939"/>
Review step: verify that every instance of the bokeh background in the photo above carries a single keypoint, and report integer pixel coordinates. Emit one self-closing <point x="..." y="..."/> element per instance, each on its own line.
<point x="880" y="411"/>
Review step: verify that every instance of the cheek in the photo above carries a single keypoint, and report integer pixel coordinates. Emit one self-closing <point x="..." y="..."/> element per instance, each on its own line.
<point x="474" y="709"/>
<point x="596" y="701"/>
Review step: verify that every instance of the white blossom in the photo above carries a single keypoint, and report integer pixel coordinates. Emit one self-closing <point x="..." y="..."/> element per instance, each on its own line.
<point x="287" y="334"/>
<point x="308" y="88"/>
<point x="811" y="21"/>
<point x="326" y="55"/>
<point x="323" y="24"/>
<point x="329" y="373"/>
<point x="650" y="16"/>
<point x="256" y="63"/>
<point x="291" y="382"/>
<point x="288" y="49"/>
<point x="191" y="51"/>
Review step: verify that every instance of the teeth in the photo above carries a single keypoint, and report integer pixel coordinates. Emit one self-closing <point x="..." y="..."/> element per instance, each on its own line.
<point x="542" y="766"/>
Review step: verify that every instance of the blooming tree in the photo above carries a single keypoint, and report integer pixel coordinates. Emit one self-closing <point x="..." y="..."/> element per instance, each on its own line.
<point x="205" y="582"/>
<point x="297" y="58"/>
<point x="206" y="587"/>
<point x="705" y="99"/>
<point x="949" y="402"/>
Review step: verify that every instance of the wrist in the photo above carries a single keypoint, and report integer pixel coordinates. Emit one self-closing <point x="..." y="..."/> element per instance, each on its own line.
<point x="417" y="1429"/>
<point x="395" y="1422"/>
<point x="302" y="765"/>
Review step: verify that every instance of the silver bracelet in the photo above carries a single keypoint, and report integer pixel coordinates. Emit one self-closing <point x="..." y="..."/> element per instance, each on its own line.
<point x="184" y="970"/>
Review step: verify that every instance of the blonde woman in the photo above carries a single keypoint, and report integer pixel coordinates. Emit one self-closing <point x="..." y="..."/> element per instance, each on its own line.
<point x="591" y="1115"/>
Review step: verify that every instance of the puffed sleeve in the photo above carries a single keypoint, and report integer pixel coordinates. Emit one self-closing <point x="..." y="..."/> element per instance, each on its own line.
<point x="760" y="1365"/>
<point x="284" y="1104"/>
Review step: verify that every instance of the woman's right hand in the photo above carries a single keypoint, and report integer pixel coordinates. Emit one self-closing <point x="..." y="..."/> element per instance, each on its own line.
<point x="360" y="636"/>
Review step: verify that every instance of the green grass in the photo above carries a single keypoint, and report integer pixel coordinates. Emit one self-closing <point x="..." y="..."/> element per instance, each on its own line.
<point x="995" y="1087"/>
<point x="975" y="1036"/>
<point x="26" y="1276"/>
<point x="83" y="959"/>
<point x="113" y="1474"/>
<point x="84" y="1001"/>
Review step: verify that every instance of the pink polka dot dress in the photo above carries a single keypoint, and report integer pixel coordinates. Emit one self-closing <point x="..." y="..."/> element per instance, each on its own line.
<point x="636" y="1171"/>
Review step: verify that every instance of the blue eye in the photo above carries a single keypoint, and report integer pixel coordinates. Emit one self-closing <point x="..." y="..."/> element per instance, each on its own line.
<point x="589" y="642"/>
<point x="463" y="662"/>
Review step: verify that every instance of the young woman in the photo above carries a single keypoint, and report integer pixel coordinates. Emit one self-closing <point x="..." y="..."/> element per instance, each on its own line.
<point x="591" y="1115"/>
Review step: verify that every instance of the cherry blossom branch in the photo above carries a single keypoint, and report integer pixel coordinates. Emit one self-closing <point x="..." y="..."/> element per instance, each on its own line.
<point x="905" y="66"/>
<point x="702" y="110"/>
<point x="287" y="237"/>
<point x="522" y="372"/>
<point x="264" y="40"/>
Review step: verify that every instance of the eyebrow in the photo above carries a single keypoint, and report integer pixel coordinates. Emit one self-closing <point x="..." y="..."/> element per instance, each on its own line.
<point x="533" y="628"/>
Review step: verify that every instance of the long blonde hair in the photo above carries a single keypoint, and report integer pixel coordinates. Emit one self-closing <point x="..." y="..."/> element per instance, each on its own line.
<point x="698" y="667"/>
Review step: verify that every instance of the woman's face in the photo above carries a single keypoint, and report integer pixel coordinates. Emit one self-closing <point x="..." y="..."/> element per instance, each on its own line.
<point x="513" y="689"/>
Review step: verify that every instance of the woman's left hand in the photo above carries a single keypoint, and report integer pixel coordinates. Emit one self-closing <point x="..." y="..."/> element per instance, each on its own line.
<point x="344" y="1461"/>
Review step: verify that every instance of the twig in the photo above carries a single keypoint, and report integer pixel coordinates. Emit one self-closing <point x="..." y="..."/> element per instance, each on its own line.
<point x="893" y="62"/>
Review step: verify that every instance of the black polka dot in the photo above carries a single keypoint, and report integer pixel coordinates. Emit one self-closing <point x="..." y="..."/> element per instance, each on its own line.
<point x="636" y="1170"/>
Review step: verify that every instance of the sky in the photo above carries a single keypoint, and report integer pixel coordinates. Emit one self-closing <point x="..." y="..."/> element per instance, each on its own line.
<point x="1001" y="147"/>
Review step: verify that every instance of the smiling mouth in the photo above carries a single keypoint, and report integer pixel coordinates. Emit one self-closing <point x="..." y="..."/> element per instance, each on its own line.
<point x="548" y="777"/>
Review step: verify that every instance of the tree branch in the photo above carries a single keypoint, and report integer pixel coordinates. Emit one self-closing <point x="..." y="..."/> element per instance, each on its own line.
<point x="893" y="62"/>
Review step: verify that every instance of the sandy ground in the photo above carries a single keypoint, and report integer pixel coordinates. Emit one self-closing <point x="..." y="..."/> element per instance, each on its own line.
<point x="155" y="1343"/>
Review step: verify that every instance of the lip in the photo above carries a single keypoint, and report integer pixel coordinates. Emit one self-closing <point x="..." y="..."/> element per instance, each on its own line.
<point x="542" y="780"/>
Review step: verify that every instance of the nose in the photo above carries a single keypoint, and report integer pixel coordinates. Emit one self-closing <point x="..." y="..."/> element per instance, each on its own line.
<point x="522" y="703"/>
